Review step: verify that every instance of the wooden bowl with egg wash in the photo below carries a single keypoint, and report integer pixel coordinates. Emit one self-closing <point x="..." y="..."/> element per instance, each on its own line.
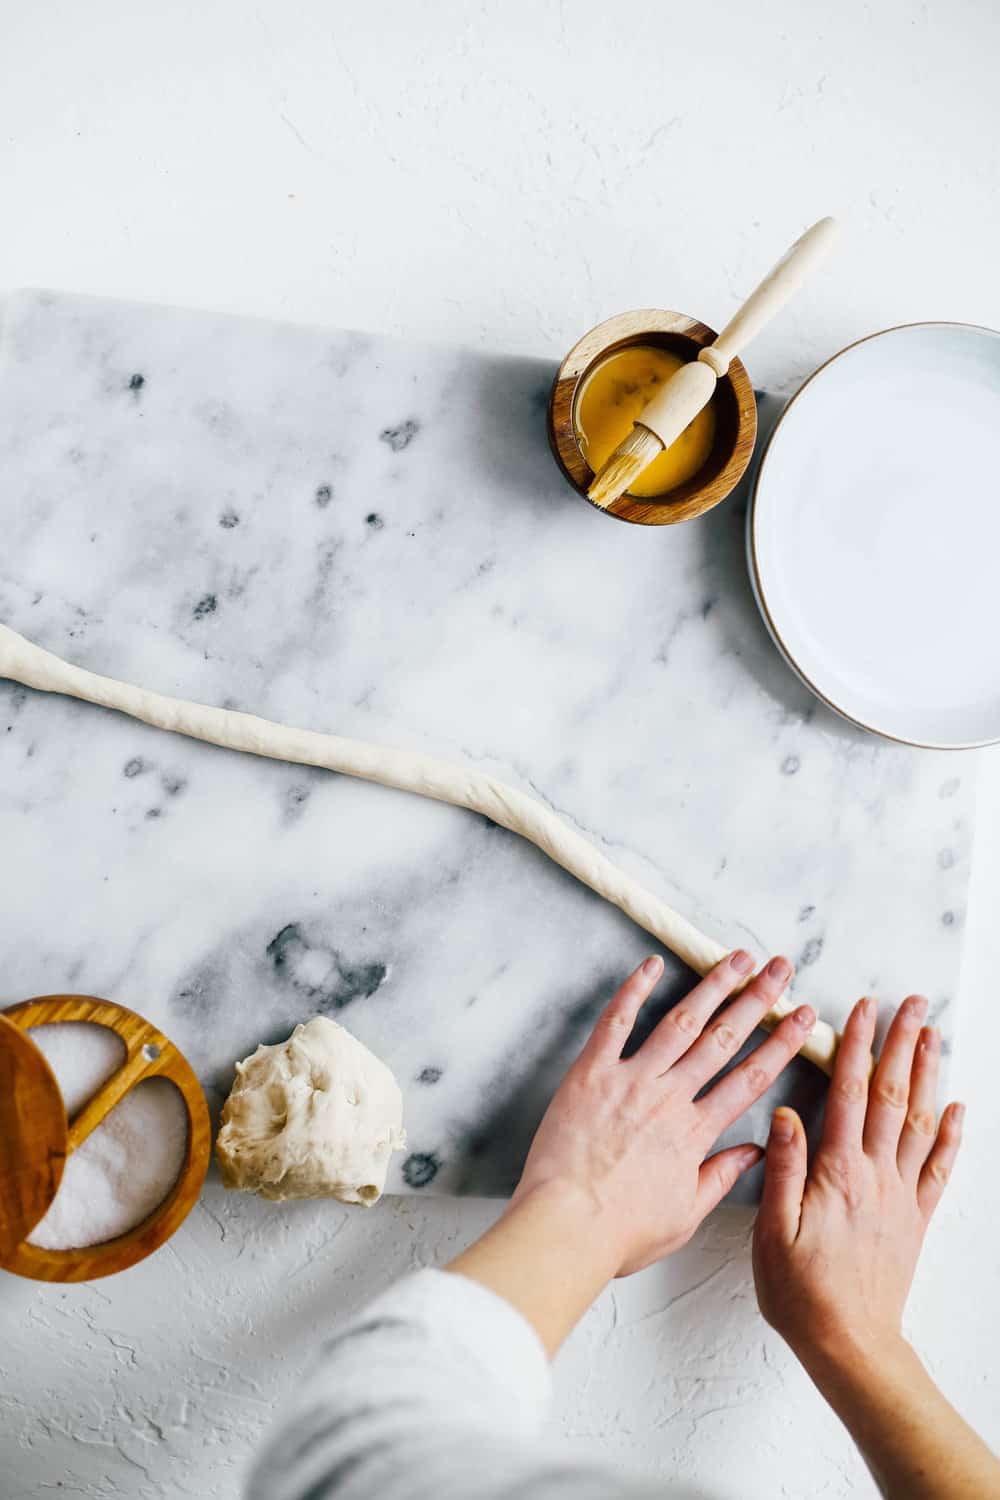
<point x="732" y="413"/>
<point x="148" y="1054"/>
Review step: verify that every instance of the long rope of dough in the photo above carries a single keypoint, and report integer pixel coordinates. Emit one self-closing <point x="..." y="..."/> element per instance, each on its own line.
<point x="427" y="775"/>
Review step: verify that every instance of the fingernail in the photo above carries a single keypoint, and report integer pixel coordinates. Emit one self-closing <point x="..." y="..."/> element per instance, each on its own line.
<point x="780" y="969"/>
<point x="916" y="1007"/>
<point x="959" y="1112"/>
<point x="805" y="1016"/>
<point x="930" y="1039"/>
<point x="749" y="1157"/>
<point x="653" y="966"/>
<point x="741" y="961"/>
<point x="863" y="1009"/>
<point x="783" y="1125"/>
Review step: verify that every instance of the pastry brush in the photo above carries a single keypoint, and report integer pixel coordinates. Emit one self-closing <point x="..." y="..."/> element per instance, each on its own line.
<point x="682" y="398"/>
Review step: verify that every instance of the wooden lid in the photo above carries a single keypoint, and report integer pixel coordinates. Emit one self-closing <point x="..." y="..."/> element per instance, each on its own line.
<point x="33" y="1136"/>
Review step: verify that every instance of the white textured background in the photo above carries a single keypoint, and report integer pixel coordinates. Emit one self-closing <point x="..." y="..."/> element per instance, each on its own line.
<point x="501" y="175"/>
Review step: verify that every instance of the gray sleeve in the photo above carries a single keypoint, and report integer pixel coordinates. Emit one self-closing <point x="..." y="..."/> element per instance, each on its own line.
<point x="438" y="1391"/>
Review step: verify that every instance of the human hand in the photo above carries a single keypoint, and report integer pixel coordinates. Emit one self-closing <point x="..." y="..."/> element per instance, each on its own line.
<point x="629" y="1137"/>
<point x="835" y="1248"/>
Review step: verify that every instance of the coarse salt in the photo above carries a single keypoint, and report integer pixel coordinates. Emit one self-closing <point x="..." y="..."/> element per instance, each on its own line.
<point x="129" y="1163"/>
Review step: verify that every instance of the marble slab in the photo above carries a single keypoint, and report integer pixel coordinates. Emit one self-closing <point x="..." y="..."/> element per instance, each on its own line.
<point x="369" y="537"/>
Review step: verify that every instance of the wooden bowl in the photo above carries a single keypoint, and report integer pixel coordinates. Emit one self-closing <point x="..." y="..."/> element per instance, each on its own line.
<point x="735" y="417"/>
<point x="148" y="1054"/>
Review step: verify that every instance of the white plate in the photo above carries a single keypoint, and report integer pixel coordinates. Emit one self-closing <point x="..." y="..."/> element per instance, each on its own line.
<point x="874" y="534"/>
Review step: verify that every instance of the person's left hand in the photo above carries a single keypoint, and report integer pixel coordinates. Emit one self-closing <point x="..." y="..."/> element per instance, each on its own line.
<point x="631" y="1135"/>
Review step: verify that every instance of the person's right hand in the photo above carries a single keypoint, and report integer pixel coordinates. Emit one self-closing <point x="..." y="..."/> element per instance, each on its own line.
<point x="835" y="1248"/>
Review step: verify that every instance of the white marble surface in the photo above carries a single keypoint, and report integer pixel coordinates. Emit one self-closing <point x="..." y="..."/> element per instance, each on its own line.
<point x="367" y="537"/>
<point x="465" y="175"/>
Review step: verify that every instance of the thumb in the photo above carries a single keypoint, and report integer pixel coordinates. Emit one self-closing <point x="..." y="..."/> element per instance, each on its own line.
<point x="784" y="1177"/>
<point x="720" y="1173"/>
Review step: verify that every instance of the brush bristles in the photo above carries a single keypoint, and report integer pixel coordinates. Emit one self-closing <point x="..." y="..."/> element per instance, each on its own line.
<point x="624" y="466"/>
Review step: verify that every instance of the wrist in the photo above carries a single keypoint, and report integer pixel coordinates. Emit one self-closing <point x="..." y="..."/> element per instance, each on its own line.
<point x="548" y="1256"/>
<point x="579" y="1219"/>
<point x="854" y="1358"/>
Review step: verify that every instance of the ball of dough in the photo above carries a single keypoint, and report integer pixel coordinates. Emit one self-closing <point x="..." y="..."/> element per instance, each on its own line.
<point x="317" y="1116"/>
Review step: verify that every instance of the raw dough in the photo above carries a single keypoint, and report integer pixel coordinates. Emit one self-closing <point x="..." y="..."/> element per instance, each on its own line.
<point x="317" y="1116"/>
<point x="427" y="775"/>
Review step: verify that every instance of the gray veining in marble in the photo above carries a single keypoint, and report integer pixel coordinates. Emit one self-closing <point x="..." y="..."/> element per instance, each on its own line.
<point x="368" y="537"/>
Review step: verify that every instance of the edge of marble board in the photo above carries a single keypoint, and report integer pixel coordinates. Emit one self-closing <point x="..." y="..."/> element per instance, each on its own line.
<point x="12" y="295"/>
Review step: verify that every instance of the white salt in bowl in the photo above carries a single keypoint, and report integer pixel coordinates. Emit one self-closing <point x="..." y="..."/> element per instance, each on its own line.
<point x="129" y="1162"/>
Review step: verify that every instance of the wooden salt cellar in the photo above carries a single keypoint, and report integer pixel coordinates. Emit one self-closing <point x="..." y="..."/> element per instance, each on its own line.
<point x="35" y="1138"/>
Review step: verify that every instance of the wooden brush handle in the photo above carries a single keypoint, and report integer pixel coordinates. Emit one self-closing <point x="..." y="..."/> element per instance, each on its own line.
<point x="684" y="395"/>
<point x="779" y="285"/>
<point x="680" y="401"/>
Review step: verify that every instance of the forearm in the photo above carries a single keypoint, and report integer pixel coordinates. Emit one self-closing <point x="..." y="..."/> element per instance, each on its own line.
<point x="915" y="1443"/>
<point x="549" y="1256"/>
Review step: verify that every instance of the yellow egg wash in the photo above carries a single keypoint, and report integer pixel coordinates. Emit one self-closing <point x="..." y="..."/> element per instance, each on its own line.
<point x="612" y="397"/>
